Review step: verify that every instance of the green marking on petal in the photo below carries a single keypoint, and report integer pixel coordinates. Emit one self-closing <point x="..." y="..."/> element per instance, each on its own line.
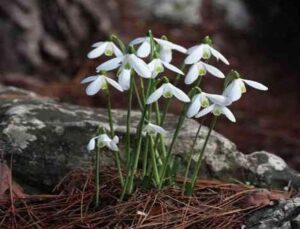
<point x="168" y="95"/>
<point x="104" y="86"/>
<point x="202" y="72"/>
<point x="243" y="88"/>
<point x="217" y="111"/>
<point x="206" y="55"/>
<point x="204" y="102"/>
<point x="159" y="69"/>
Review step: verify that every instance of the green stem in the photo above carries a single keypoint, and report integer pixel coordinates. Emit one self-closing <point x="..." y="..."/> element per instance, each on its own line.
<point x="140" y="102"/>
<point x="192" y="152"/>
<point x="167" y="159"/>
<point x="200" y="159"/>
<point x="97" y="176"/>
<point x="145" y="157"/>
<point x="112" y="134"/>
<point x="154" y="165"/>
<point x="128" y="119"/>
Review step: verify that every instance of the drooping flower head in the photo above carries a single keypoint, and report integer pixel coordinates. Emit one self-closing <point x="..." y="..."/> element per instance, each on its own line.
<point x="200" y="69"/>
<point x="104" y="141"/>
<point x="203" y="51"/>
<point x="107" y="48"/>
<point x="154" y="129"/>
<point x="203" y="99"/>
<point x="218" y="107"/>
<point x="168" y="90"/>
<point x="237" y="87"/>
<point x="165" y="48"/>
<point x="98" y="82"/>
<point x="157" y="66"/>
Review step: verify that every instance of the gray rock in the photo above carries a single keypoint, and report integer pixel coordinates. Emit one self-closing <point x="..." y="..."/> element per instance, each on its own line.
<point x="282" y="215"/>
<point x="188" y="12"/>
<point x="179" y="11"/>
<point x="46" y="139"/>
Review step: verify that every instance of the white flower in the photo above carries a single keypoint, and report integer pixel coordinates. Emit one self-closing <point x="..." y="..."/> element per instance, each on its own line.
<point x="99" y="82"/>
<point x="154" y="129"/>
<point x="167" y="90"/>
<point x="166" y="47"/>
<point x="165" y="50"/>
<point x="235" y="89"/>
<point x="104" y="141"/>
<point x="124" y="78"/>
<point x="200" y="69"/>
<point x="202" y="100"/>
<point x="204" y="51"/>
<point x="218" y="108"/>
<point x="127" y="61"/>
<point x="107" y="47"/>
<point x="156" y="66"/>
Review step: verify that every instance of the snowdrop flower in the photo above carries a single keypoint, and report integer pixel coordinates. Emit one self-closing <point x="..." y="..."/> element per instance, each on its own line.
<point x="107" y="47"/>
<point x="200" y="69"/>
<point x="126" y="62"/>
<point x="154" y="129"/>
<point x="99" y="82"/>
<point x="165" y="48"/>
<point x="202" y="100"/>
<point x="167" y="90"/>
<point x="104" y="141"/>
<point x="156" y="66"/>
<point x="218" y="108"/>
<point x="235" y="89"/>
<point x="204" y="51"/>
<point x="124" y="78"/>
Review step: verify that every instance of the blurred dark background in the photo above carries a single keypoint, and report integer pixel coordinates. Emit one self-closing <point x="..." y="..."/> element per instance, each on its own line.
<point x="44" y="46"/>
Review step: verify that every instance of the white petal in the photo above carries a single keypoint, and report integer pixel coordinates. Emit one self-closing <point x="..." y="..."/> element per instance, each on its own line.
<point x="233" y="91"/>
<point x="219" y="99"/>
<point x="112" y="146"/>
<point x="172" y="68"/>
<point x="89" y="79"/>
<point x="156" y="95"/>
<point x="205" y="111"/>
<point x="110" y="64"/>
<point x="179" y="94"/>
<point x="213" y="70"/>
<point x="137" y="40"/>
<point x="95" y="86"/>
<point x="92" y="143"/>
<point x="114" y="84"/>
<point x="104" y="138"/>
<point x="192" y="74"/>
<point x="144" y="50"/>
<point x="124" y="79"/>
<point x="155" y="128"/>
<point x="117" y="51"/>
<point x="115" y="139"/>
<point x="191" y="49"/>
<point x="170" y="45"/>
<point x="165" y="55"/>
<point x="98" y="44"/>
<point x="194" y="56"/>
<point x="139" y="66"/>
<point x="194" y="108"/>
<point x="98" y="51"/>
<point x="256" y="85"/>
<point x="218" y="55"/>
<point x="153" y="64"/>
<point x="228" y="114"/>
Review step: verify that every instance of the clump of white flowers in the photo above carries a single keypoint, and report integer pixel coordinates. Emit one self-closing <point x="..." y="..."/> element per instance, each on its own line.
<point x="143" y="69"/>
